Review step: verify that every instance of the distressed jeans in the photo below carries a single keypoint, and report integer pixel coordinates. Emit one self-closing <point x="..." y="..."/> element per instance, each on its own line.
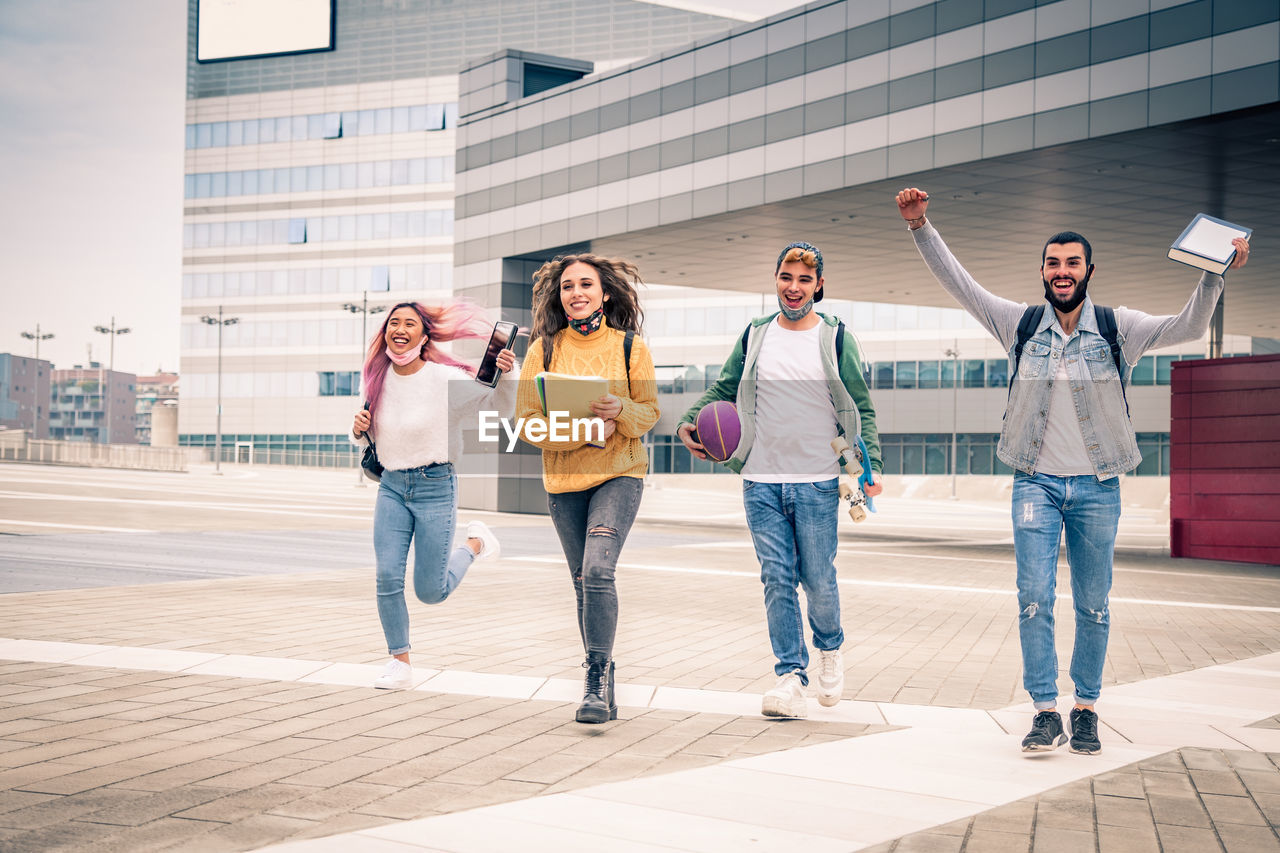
<point x="793" y="527"/>
<point x="1089" y="510"/>
<point x="592" y="525"/>
<point x="418" y="506"/>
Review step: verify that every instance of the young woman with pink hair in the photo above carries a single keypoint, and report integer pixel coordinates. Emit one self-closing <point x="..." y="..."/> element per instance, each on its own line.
<point x="417" y="400"/>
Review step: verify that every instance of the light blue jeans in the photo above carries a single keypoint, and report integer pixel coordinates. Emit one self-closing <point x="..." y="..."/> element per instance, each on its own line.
<point x="1089" y="510"/>
<point x="793" y="526"/>
<point x="419" y="506"/>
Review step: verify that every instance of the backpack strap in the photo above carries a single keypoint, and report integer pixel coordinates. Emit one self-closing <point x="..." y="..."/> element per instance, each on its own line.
<point x="1106" y="318"/>
<point x="627" y="341"/>
<point x="1026" y="328"/>
<point x="839" y="343"/>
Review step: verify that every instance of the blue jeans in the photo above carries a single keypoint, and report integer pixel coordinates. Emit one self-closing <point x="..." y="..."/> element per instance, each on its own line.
<point x="793" y="526"/>
<point x="1089" y="510"/>
<point x="418" y="505"/>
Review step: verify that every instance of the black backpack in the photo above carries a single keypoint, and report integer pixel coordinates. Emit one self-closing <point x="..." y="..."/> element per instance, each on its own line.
<point x="1106" y="318"/>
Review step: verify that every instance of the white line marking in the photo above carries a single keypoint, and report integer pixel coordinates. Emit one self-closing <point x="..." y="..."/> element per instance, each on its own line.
<point x="311" y="511"/>
<point x="97" y="527"/>
<point x="649" y="567"/>
<point x="858" y="549"/>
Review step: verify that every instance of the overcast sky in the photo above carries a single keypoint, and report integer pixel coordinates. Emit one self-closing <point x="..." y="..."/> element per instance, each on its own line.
<point x="92" y="94"/>
<point x="91" y="167"/>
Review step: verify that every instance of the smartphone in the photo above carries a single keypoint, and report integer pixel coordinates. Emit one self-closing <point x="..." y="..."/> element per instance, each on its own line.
<point x="503" y="334"/>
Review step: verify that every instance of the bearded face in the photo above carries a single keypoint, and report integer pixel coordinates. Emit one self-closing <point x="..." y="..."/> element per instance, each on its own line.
<point x="1066" y="275"/>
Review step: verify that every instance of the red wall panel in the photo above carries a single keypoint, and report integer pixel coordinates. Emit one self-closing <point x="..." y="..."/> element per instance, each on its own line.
<point x="1224" y="456"/>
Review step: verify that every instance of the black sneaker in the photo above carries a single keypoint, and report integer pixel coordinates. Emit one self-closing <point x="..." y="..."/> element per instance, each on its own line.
<point x="1046" y="733"/>
<point x="1084" y="732"/>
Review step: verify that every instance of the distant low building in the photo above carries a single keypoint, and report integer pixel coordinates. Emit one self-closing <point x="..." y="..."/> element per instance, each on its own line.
<point x="152" y="391"/>
<point x="94" y="404"/>
<point x="24" y="394"/>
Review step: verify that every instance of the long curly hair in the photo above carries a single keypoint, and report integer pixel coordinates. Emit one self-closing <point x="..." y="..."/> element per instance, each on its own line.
<point x="457" y="320"/>
<point x="618" y="280"/>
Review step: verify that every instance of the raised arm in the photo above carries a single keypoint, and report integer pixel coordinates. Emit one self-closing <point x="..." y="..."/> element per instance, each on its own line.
<point x="998" y="315"/>
<point x="470" y="396"/>
<point x="1143" y="331"/>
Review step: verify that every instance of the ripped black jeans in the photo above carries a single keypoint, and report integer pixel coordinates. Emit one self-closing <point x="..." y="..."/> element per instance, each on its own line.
<point x="593" y="525"/>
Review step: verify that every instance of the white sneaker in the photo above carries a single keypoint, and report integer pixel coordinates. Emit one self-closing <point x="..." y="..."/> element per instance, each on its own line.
<point x="786" y="699"/>
<point x="830" y="677"/>
<point x="480" y="530"/>
<point x="398" y="675"/>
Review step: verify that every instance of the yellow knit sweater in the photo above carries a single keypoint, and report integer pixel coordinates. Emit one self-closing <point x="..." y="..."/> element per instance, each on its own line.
<point x="574" y="466"/>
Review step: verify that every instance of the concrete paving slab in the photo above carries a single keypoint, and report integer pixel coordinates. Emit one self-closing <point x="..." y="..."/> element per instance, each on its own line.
<point x="280" y="702"/>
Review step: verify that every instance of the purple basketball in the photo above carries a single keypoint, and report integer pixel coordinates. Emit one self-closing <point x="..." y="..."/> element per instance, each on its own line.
<point x="719" y="429"/>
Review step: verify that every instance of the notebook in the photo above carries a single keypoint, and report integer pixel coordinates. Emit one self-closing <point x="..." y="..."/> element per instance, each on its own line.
<point x="1206" y="243"/>
<point x="563" y="392"/>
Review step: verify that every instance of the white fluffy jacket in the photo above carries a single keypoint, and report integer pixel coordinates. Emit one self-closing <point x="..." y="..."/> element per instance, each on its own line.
<point x="420" y="417"/>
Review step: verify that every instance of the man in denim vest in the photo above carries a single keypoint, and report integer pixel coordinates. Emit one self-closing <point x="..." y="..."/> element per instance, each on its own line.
<point x="1068" y="436"/>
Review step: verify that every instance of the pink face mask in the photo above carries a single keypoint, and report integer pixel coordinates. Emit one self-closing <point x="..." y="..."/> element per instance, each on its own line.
<point x="406" y="358"/>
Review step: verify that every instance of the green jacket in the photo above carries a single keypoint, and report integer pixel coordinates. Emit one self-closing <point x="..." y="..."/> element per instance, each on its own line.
<point x="854" y="412"/>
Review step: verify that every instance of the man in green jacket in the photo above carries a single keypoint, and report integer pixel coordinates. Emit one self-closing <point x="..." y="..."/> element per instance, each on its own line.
<point x="796" y="388"/>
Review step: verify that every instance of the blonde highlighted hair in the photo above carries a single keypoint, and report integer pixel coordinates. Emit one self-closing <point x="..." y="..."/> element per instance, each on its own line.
<point x="795" y="253"/>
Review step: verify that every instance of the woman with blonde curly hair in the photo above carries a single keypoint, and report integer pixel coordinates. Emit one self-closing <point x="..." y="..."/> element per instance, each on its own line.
<point x="586" y="322"/>
<point x="406" y="378"/>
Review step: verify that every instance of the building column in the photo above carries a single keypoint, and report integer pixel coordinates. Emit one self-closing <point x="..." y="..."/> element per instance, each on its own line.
<point x="489" y="477"/>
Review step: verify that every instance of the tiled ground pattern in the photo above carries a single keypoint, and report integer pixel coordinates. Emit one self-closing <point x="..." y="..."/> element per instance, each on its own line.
<point x="922" y="646"/>
<point x="133" y="761"/>
<point x="1184" y="801"/>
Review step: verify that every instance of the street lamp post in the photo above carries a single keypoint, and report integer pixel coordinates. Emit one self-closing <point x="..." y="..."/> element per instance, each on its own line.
<point x="364" y="311"/>
<point x="37" y="337"/>
<point x="954" y="353"/>
<point x="219" y="321"/>
<point x="111" y="332"/>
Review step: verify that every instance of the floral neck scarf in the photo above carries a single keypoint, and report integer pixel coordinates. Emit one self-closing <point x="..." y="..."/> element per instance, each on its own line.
<point x="587" y="325"/>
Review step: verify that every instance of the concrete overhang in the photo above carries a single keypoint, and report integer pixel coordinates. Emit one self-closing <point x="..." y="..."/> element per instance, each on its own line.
<point x="1021" y="120"/>
<point x="1130" y="194"/>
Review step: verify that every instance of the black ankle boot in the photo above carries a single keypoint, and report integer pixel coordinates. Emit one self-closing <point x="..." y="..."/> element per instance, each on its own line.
<point x="597" y="697"/>
<point x="611" y="698"/>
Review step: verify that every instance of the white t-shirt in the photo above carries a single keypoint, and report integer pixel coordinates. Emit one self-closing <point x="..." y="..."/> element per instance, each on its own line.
<point x="1062" y="450"/>
<point x="795" y="415"/>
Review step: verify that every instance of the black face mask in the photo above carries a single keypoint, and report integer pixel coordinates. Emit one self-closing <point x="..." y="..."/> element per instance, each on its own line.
<point x="1076" y="297"/>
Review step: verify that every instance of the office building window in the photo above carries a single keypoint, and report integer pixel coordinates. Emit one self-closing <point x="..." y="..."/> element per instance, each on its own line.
<point x="339" y="383"/>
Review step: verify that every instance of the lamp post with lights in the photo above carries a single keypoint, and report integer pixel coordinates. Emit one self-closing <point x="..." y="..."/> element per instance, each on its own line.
<point x="37" y="337"/>
<point x="954" y="352"/>
<point x="110" y="331"/>
<point x="219" y="321"/>
<point x="364" y="311"/>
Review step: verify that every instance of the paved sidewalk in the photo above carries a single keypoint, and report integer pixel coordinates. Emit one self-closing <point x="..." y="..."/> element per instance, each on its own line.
<point x="190" y="666"/>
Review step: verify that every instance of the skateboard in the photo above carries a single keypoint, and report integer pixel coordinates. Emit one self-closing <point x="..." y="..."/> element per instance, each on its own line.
<point x="856" y="478"/>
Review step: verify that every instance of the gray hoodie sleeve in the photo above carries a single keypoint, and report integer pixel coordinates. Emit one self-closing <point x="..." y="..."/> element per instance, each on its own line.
<point x="998" y="315"/>
<point x="1142" y="332"/>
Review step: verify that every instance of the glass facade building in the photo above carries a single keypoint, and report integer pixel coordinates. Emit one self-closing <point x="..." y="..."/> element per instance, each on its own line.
<point x="314" y="179"/>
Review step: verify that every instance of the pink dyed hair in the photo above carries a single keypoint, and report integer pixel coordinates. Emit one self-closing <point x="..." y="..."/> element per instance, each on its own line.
<point x="458" y="320"/>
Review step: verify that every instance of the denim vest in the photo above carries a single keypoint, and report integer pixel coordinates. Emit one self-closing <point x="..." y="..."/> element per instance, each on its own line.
<point x="1096" y="392"/>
